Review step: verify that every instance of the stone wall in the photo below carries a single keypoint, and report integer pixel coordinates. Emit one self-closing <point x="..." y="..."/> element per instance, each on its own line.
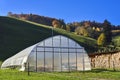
<point x="105" y="60"/>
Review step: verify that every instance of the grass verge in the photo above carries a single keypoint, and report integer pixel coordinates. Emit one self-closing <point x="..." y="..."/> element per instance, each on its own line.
<point x="88" y="75"/>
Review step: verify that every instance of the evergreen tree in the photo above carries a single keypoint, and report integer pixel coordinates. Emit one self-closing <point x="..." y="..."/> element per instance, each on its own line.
<point x="62" y="24"/>
<point x="107" y="31"/>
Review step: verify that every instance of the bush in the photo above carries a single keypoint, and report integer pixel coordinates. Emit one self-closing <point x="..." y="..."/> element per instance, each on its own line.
<point x="56" y="24"/>
<point x="81" y="31"/>
<point x="116" y="42"/>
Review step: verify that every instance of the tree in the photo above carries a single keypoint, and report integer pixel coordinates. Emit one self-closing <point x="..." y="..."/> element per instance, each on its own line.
<point x="86" y="24"/>
<point x="81" y="31"/>
<point x="90" y="32"/>
<point x="30" y="17"/>
<point x="71" y="27"/>
<point x="77" y="30"/>
<point x="56" y="24"/>
<point x="68" y="28"/>
<point x="9" y="14"/>
<point x="62" y="24"/>
<point x="101" y="40"/>
<point x="107" y="31"/>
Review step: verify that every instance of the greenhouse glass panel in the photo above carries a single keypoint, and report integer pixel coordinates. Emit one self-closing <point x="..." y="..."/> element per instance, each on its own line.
<point x="32" y="59"/>
<point x="72" y="43"/>
<point x="47" y="42"/>
<point x="64" y="42"/>
<point x="72" y="62"/>
<point x="65" y="62"/>
<point x="40" y="61"/>
<point x="48" y="61"/>
<point x="57" y="62"/>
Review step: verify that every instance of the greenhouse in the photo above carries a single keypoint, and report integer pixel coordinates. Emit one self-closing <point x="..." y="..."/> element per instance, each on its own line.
<point x="57" y="53"/>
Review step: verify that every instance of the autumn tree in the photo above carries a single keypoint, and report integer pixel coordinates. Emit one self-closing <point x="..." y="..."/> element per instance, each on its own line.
<point x="86" y="24"/>
<point x="77" y="30"/>
<point x="68" y="28"/>
<point x="101" y="40"/>
<point x="56" y="24"/>
<point x="81" y="31"/>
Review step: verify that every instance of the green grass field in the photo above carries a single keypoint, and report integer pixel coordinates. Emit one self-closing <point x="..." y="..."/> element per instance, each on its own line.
<point x="17" y="34"/>
<point x="90" y="75"/>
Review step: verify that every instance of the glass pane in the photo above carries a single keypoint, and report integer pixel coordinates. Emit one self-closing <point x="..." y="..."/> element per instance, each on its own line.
<point x="72" y="50"/>
<point x="71" y="43"/>
<point x="48" y="61"/>
<point x="79" y="61"/>
<point x="48" y="49"/>
<point x="57" y="63"/>
<point x="65" y="62"/>
<point x="64" y="50"/>
<point x="48" y="42"/>
<point x="56" y="41"/>
<point x="41" y="49"/>
<point x="32" y="61"/>
<point x="57" y="50"/>
<point x="80" y="50"/>
<point x="64" y="42"/>
<point x="87" y="62"/>
<point x="40" y="61"/>
<point x="72" y="61"/>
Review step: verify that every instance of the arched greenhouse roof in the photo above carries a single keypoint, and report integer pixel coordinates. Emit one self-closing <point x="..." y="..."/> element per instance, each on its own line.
<point x="52" y="54"/>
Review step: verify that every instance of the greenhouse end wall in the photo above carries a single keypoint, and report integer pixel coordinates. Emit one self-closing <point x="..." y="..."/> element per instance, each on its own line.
<point x="58" y="59"/>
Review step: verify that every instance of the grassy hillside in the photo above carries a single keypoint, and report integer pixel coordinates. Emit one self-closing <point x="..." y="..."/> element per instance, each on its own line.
<point x="15" y="35"/>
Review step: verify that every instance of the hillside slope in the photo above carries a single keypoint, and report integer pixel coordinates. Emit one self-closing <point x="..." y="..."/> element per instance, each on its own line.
<point x="15" y="35"/>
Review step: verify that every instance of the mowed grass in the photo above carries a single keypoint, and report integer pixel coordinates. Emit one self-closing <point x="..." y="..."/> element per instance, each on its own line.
<point x="89" y="75"/>
<point x="17" y="35"/>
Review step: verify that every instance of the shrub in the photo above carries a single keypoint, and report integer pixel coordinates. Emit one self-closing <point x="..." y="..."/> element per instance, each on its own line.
<point x="56" y="24"/>
<point x="81" y="31"/>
